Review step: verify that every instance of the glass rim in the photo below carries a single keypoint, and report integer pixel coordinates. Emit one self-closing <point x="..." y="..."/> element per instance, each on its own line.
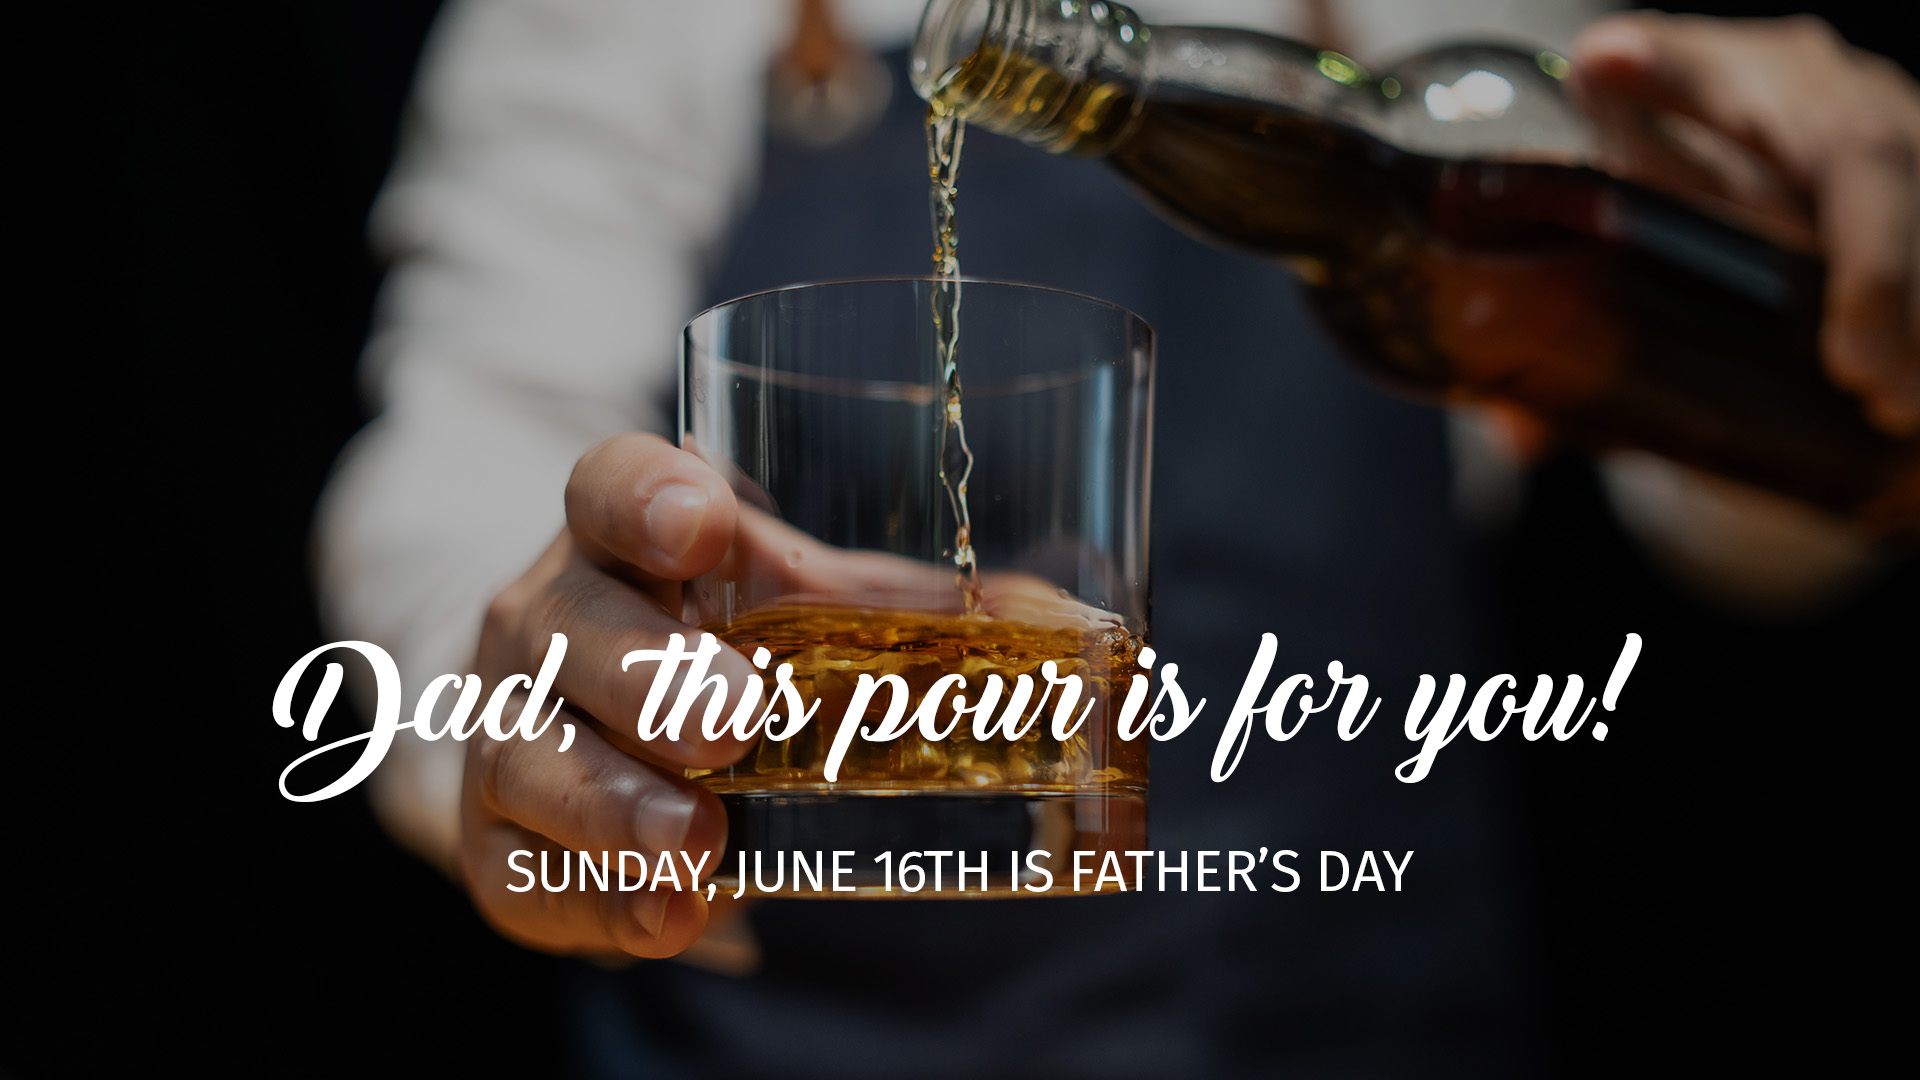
<point x="1126" y="312"/>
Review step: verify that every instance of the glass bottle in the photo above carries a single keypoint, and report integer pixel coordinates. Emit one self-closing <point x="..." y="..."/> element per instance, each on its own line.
<point x="1451" y="236"/>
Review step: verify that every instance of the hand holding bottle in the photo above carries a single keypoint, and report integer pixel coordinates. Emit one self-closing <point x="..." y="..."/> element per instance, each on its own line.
<point x="1838" y="133"/>
<point x="1462" y="249"/>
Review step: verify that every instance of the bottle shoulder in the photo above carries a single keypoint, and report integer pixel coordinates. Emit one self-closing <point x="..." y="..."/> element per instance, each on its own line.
<point x="1466" y="100"/>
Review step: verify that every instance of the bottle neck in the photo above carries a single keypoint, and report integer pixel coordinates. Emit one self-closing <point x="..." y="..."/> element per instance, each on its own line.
<point x="1063" y="75"/>
<point x="1074" y="75"/>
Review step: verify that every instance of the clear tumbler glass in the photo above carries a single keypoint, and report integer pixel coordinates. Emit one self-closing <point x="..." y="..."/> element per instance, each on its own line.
<point x="827" y="407"/>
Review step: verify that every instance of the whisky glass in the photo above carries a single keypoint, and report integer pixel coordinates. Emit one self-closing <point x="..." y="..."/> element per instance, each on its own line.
<point x="828" y="409"/>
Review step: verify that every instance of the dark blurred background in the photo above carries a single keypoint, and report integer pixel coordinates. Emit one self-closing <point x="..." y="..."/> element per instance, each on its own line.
<point x="1700" y="900"/>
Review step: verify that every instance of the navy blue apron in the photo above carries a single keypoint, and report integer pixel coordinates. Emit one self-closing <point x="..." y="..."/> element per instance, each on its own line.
<point x="1288" y="497"/>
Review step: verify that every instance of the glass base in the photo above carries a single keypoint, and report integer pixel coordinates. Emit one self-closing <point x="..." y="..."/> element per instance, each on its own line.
<point x="892" y="842"/>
